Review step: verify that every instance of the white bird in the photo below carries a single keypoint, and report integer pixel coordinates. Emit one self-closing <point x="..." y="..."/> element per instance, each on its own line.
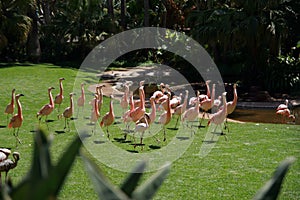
<point x="141" y="126"/>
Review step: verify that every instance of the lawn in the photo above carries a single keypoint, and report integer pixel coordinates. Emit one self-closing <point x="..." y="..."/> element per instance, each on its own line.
<point x="233" y="169"/>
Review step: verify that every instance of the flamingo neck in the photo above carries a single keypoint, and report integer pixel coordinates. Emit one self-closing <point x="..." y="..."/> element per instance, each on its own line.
<point x="82" y="92"/>
<point x="224" y="103"/>
<point x="51" y="98"/>
<point x="213" y="95"/>
<point x="19" y="108"/>
<point x="71" y="102"/>
<point x="60" y="88"/>
<point x="208" y="90"/>
<point x="96" y="107"/>
<point x="111" y="111"/>
<point x="142" y="98"/>
<point x="235" y="97"/>
<point x="131" y="103"/>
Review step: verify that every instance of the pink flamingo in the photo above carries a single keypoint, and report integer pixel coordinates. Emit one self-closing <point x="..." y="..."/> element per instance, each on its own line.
<point x="207" y="96"/>
<point x="109" y="117"/>
<point x="68" y="112"/>
<point x="179" y="110"/>
<point x="59" y="98"/>
<point x="124" y="100"/>
<point x="126" y="118"/>
<point x="231" y="105"/>
<point x="95" y="112"/>
<point x="192" y="113"/>
<point x="165" y="117"/>
<point x="285" y="113"/>
<point x="99" y="93"/>
<point x="283" y="106"/>
<point x="219" y="117"/>
<point x="139" y="111"/>
<point x="17" y="119"/>
<point x="48" y="108"/>
<point x="159" y="93"/>
<point x="81" y="99"/>
<point x="207" y="104"/>
<point x="9" y="110"/>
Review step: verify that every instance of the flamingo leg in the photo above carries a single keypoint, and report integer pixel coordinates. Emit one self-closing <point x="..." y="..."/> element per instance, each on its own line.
<point x="201" y="119"/>
<point x="179" y="117"/>
<point x="165" y="134"/>
<point x="107" y="132"/>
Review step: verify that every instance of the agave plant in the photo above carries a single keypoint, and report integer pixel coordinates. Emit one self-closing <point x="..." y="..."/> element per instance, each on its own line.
<point x="43" y="176"/>
<point x="272" y="188"/>
<point x="129" y="189"/>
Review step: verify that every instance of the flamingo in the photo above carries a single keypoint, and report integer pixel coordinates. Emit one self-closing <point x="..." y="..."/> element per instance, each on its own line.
<point x="165" y="117"/>
<point x="179" y="110"/>
<point x="4" y="153"/>
<point x="99" y="93"/>
<point x="141" y="126"/>
<point x="59" y="98"/>
<point x="207" y="104"/>
<point x="48" y="108"/>
<point x="68" y="112"/>
<point x="95" y="112"/>
<point x="124" y="99"/>
<point x="285" y="113"/>
<point x="159" y="93"/>
<point x="17" y="119"/>
<point x="9" y="110"/>
<point x="192" y="113"/>
<point x="126" y="118"/>
<point x="207" y="96"/>
<point x="283" y="106"/>
<point x="231" y="105"/>
<point x="81" y="99"/>
<point x="139" y="111"/>
<point x="219" y="117"/>
<point x="109" y="117"/>
<point x="8" y="164"/>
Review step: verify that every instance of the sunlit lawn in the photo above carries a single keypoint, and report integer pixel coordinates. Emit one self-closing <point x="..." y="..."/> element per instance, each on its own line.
<point x="233" y="169"/>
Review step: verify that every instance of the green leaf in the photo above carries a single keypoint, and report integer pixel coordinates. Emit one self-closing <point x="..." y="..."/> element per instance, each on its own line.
<point x="272" y="188"/>
<point x="41" y="156"/>
<point x="103" y="187"/>
<point x="58" y="173"/>
<point x="148" y="189"/>
<point x="132" y="180"/>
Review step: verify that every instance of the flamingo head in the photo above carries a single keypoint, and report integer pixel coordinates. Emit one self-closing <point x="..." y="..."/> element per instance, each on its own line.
<point x="50" y="88"/>
<point x="13" y="90"/>
<point x="19" y="95"/>
<point x="16" y="156"/>
<point x="61" y="79"/>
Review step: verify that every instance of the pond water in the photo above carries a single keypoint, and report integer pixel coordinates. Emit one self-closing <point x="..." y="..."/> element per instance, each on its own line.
<point x="260" y="115"/>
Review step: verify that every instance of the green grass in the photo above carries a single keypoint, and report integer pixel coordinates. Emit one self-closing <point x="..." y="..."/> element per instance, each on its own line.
<point x="233" y="169"/>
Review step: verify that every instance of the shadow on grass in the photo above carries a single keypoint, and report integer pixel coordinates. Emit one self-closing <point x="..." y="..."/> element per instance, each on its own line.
<point x="60" y="132"/>
<point x="2" y="126"/>
<point x="122" y="140"/>
<point x="49" y="120"/>
<point x="154" y="147"/>
<point x="183" y="138"/>
<point x="99" y="142"/>
<point x="132" y="151"/>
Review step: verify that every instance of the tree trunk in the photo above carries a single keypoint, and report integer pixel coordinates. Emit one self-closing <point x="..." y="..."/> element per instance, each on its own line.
<point x="146" y="13"/>
<point x="110" y="8"/>
<point x="46" y="9"/>
<point x="123" y="14"/>
<point x="33" y="43"/>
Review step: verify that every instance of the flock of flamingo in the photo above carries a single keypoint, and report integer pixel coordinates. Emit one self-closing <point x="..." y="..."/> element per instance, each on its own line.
<point x="134" y="111"/>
